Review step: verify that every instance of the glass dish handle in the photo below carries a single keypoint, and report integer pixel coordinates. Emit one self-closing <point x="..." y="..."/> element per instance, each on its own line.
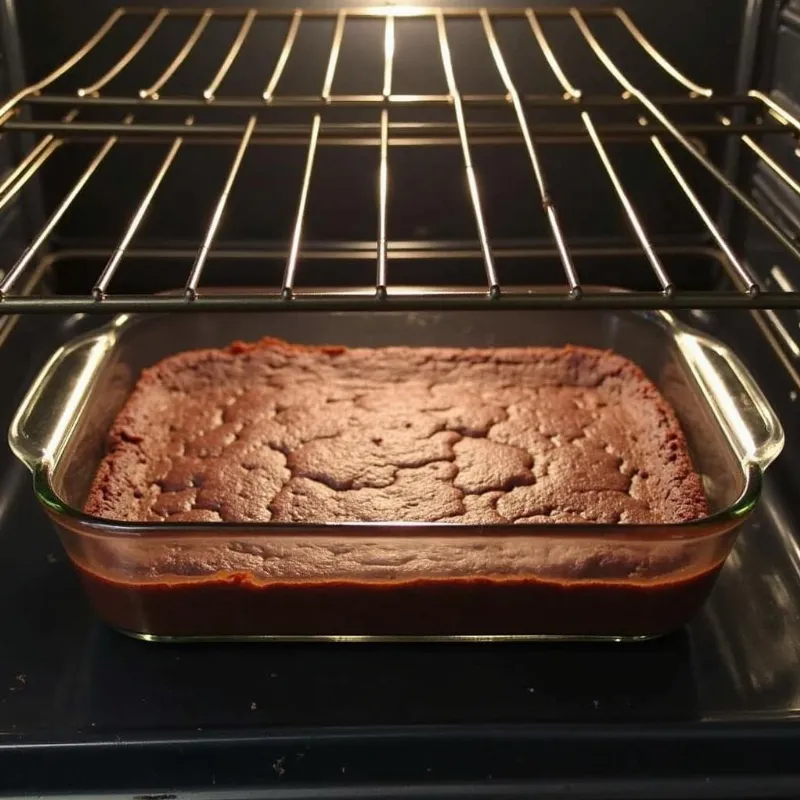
<point x="740" y="406"/>
<point x="44" y="419"/>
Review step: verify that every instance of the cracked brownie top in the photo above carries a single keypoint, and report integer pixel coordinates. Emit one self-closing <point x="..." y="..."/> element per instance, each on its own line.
<point x="279" y="432"/>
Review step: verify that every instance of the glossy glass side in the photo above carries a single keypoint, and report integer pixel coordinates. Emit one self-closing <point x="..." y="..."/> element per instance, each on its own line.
<point x="352" y="582"/>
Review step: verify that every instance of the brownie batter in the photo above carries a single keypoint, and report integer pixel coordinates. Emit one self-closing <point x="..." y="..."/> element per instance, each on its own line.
<point x="273" y="432"/>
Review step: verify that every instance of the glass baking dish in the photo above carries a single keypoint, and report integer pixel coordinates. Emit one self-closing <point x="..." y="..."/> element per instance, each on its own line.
<point x="208" y="581"/>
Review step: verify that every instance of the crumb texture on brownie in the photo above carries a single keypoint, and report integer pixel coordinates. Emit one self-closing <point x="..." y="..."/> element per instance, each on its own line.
<point x="280" y="432"/>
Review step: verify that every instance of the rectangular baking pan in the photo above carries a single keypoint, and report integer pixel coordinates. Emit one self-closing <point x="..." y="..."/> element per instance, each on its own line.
<point x="574" y="581"/>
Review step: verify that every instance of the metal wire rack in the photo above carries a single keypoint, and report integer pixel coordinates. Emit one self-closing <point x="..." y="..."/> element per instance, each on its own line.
<point x="745" y="118"/>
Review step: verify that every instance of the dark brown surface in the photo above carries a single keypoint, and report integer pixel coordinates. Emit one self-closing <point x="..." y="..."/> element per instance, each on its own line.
<point x="283" y="433"/>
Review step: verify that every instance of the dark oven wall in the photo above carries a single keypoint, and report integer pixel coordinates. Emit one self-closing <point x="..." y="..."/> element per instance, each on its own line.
<point x="428" y="200"/>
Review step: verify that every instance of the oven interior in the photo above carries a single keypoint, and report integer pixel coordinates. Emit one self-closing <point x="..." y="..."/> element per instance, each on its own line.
<point x="408" y="160"/>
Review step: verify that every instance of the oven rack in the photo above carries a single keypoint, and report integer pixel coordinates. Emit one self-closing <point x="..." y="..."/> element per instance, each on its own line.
<point x="740" y="119"/>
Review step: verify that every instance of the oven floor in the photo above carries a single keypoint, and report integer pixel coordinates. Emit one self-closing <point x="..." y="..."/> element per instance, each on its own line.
<point x="707" y="712"/>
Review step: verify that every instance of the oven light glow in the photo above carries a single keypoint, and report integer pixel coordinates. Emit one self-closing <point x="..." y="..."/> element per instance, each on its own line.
<point x="399" y="11"/>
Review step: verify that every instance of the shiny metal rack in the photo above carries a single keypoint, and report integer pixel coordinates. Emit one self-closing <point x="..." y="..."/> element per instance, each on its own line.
<point x="743" y="117"/>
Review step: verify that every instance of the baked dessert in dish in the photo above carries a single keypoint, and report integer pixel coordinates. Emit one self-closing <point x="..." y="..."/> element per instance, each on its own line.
<point x="276" y="432"/>
<point x="494" y="439"/>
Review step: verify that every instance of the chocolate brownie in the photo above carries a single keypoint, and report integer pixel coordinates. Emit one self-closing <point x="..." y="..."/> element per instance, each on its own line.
<point x="285" y="433"/>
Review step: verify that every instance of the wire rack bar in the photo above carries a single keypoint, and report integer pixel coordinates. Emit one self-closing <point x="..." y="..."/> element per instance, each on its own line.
<point x="367" y="12"/>
<point x="780" y="277"/>
<point x="424" y="131"/>
<point x="283" y="58"/>
<point x="633" y="218"/>
<point x="777" y="334"/>
<point x="30" y="164"/>
<point x="388" y="57"/>
<point x="219" y="210"/>
<point x="336" y="46"/>
<point x="787" y="179"/>
<point x="26" y="174"/>
<point x="666" y="65"/>
<point x="547" y="203"/>
<point x="585" y="122"/>
<point x="570" y="92"/>
<point x="383" y="200"/>
<point x="236" y="46"/>
<point x="382" y="100"/>
<point x="472" y="181"/>
<point x="741" y="276"/>
<point x="401" y="298"/>
<point x="291" y="262"/>
<point x="101" y="286"/>
<point x="12" y="177"/>
<point x="780" y="113"/>
<point x="383" y="169"/>
<point x="152" y="92"/>
<point x="327" y="301"/>
<point x="6" y="117"/>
